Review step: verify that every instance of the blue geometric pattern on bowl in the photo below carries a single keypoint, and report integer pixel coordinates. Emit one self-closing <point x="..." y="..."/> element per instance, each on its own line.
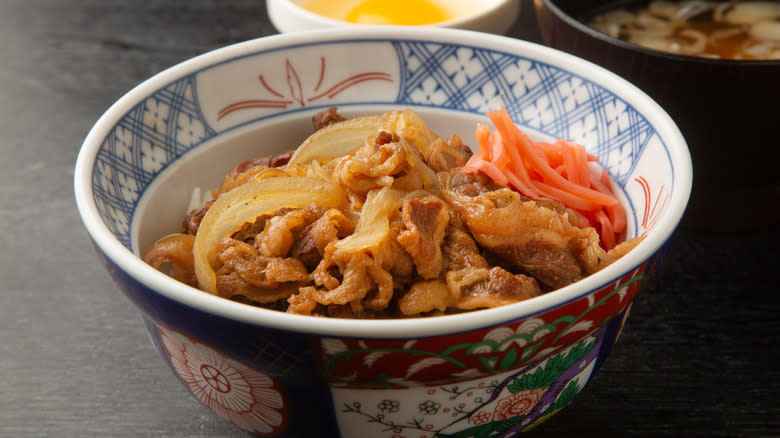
<point x="548" y="99"/>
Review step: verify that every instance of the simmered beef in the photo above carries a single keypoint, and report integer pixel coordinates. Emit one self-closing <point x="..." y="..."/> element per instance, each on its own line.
<point x="411" y="235"/>
<point x="325" y="118"/>
<point x="426" y="221"/>
<point x="191" y="222"/>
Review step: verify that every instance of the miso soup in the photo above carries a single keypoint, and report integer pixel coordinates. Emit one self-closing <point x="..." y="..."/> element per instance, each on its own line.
<point x="748" y="30"/>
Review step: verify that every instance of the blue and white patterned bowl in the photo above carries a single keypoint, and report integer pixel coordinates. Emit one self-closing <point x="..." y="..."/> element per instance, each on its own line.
<point x="485" y="373"/>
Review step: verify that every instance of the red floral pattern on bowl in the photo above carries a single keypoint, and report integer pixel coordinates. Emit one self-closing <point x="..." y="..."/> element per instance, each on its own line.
<point x="379" y="363"/>
<point x="246" y="397"/>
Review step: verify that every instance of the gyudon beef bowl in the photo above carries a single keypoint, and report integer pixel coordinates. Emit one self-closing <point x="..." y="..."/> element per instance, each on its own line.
<point x="334" y="233"/>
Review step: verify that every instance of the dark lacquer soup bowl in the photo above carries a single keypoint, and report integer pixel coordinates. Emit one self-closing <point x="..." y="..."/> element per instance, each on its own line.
<point x="491" y="372"/>
<point x="725" y="108"/>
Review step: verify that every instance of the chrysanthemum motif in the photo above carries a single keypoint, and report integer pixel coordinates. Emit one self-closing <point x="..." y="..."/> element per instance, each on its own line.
<point x="481" y="417"/>
<point x="517" y="404"/>
<point x="245" y="397"/>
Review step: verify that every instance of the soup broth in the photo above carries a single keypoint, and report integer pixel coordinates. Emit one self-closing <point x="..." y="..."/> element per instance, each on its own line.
<point x="722" y="30"/>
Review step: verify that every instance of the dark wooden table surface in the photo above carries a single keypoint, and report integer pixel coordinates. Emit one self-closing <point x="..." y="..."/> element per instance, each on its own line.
<point x="699" y="355"/>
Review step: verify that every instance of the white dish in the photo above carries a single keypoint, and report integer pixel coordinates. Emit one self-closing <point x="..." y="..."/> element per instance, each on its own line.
<point x="492" y="16"/>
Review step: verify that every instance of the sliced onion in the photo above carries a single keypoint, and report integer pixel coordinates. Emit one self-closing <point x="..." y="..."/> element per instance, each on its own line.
<point x="721" y="34"/>
<point x="430" y="180"/>
<point x="650" y="22"/>
<point x="766" y="30"/>
<point x="719" y="13"/>
<point x="410" y="126"/>
<point x="760" y="50"/>
<point x="656" y="43"/>
<point x="611" y="29"/>
<point x="256" y="173"/>
<point x="655" y="32"/>
<point x="695" y="41"/>
<point x="335" y="140"/>
<point x="664" y="9"/>
<point x="345" y="137"/>
<point x="752" y="12"/>
<point x="373" y="228"/>
<point x="692" y="9"/>
<point x="680" y="11"/>
<point x="245" y="203"/>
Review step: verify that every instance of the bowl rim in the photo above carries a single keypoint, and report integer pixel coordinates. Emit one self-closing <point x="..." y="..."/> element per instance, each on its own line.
<point x="482" y="12"/>
<point x="593" y="33"/>
<point x="181" y="293"/>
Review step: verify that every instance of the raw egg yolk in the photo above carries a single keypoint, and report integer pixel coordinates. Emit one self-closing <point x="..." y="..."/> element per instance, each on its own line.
<point x="384" y="12"/>
<point x="400" y="12"/>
